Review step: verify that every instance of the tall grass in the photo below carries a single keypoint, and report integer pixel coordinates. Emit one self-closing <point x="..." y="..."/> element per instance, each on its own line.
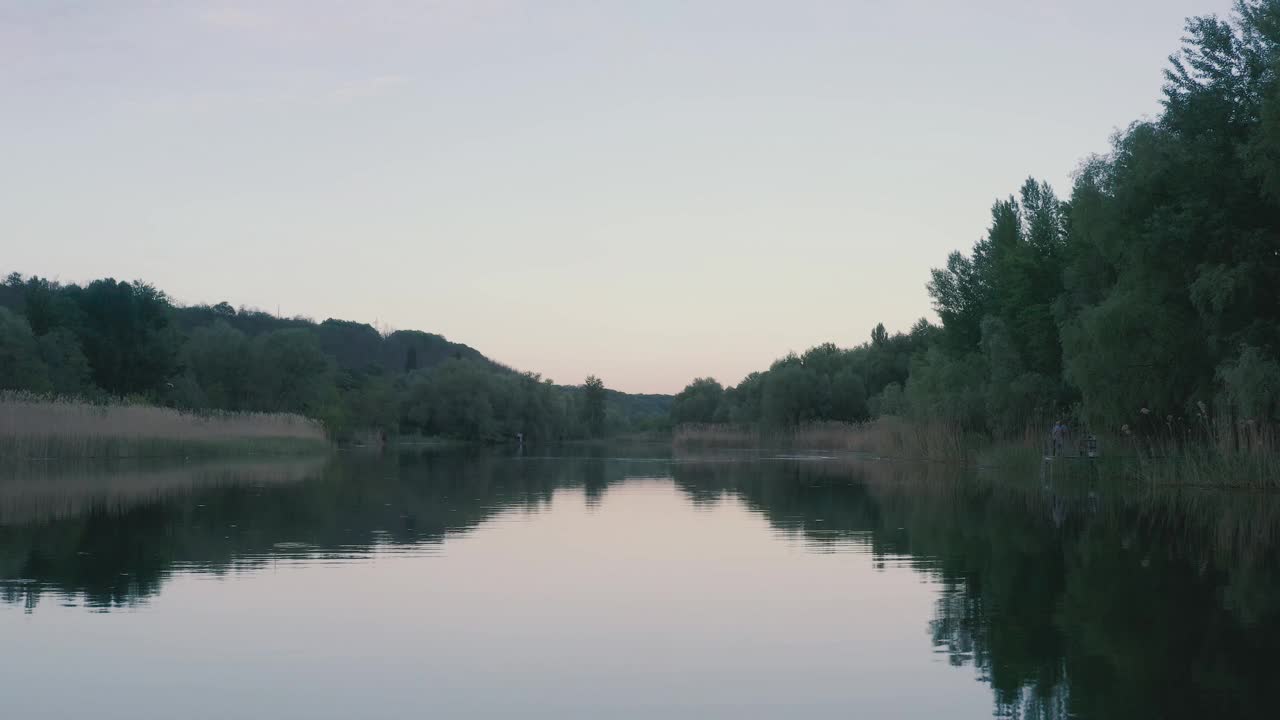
<point x="38" y="427"/>
<point x="887" y="437"/>
<point x="1211" y="451"/>
<point x="1208" y="452"/>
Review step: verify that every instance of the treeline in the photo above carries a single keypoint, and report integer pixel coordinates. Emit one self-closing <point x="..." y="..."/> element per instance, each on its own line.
<point x="1152" y="294"/>
<point x="825" y="383"/>
<point x="111" y="339"/>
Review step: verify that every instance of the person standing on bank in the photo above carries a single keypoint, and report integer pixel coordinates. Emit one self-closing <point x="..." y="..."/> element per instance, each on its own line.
<point x="1058" y="437"/>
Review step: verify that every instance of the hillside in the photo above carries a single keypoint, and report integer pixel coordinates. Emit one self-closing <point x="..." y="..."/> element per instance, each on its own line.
<point x="118" y="339"/>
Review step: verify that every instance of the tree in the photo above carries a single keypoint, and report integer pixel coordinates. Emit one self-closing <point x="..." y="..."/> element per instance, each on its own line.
<point x="368" y="402"/>
<point x="848" y="396"/>
<point x="48" y="307"/>
<point x="20" y="365"/>
<point x="68" y="370"/>
<point x="218" y="359"/>
<point x="1251" y="385"/>
<point x="289" y="373"/>
<point x="593" y="406"/>
<point x="790" y="395"/>
<point x="127" y="335"/>
<point x="472" y="400"/>
<point x="698" y="402"/>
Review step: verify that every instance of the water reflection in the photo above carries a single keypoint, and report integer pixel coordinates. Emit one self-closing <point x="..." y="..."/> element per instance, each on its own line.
<point x="1072" y="600"/>
<point x="1068" y="599"/>
<point x="111" y="536"/>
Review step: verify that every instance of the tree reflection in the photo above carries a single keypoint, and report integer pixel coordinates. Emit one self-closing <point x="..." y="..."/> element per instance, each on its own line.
<point x="1068" y="603"/>
<point x="1069" y="599"/>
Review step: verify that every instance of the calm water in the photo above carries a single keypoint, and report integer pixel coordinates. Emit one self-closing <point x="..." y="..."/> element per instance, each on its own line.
<point x="627" y="584"/>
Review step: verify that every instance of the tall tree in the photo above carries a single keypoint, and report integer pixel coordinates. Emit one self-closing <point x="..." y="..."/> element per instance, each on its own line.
<point x="20" y="365"/>
<point x="698" y="402"/>
<point x="127" y="336"/>
<point x="593" y="406"/>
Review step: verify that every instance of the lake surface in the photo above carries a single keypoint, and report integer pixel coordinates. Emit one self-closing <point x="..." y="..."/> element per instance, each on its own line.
<point x="627" y="583"/>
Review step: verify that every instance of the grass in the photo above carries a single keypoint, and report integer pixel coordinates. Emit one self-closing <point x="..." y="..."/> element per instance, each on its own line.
<point x="39" y="427"/>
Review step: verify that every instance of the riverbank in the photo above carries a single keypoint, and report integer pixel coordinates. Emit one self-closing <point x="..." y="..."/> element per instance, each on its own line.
<point x="1212" y="455"/>
<point x="888" y="437"/>
<point x="35" y="427"/>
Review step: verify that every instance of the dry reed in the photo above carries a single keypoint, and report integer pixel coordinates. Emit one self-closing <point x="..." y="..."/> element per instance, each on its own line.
<point x="1211" y="452"/>
<point x="1216" y="452"/>
<point x="36" y="427"/>
<point x="887" y="437"/>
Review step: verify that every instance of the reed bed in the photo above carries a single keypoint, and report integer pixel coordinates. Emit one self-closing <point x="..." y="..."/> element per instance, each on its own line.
<point x="887" y="437"/>
<point x="1209" y="452"/>
<point x="37" y="427"/>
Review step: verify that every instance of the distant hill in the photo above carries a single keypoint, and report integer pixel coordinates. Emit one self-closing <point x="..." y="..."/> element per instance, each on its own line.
<point x="353" y="345"/>
<point x="360" y="347"/>
<point x="358" y="351"/>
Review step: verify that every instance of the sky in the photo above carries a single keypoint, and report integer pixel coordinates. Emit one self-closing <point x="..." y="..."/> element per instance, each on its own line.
<point x="649" y="191"/>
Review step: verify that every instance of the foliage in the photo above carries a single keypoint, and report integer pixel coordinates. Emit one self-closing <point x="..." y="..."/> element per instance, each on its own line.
<point x="698" y="402"/>
<point x="1155" y="288"/>
<point x="113" y="339"/>
<point x="20" y="365"/>
<point x="825" y="384"/>
<point x="465" y="399"/>
<point x="1251" y="385"/>
<point x="67" y="367"/>
<point x="593" y="406"/>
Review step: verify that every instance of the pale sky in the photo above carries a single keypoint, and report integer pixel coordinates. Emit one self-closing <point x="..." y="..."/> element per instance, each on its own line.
<point x="648" y="190"/>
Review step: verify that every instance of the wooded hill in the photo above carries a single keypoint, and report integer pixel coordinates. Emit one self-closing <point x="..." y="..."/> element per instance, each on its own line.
<point x="121" y="339"/>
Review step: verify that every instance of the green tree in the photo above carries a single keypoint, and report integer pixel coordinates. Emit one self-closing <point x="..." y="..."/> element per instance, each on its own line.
<point x="20" y="365"/>
<point x="848" y="396"/>
<point x="593" y="406"/>
<point x="698" y="402"/>
<point x="790" y="394"/>
<point x="68" y="369"/>
<point x="1251" y="385"/>
<point x="289" y="373"/>
<point x="127" y="335"/>
<point x="219" y="361"/>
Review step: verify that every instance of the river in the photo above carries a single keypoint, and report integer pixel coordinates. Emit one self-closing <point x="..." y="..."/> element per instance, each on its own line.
<point x="628" y="583"/>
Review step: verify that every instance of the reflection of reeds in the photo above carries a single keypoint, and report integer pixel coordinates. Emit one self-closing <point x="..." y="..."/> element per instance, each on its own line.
<point x="885" y="437"/>
<point x="40" y="491"/>
<point x="34" y="427"/>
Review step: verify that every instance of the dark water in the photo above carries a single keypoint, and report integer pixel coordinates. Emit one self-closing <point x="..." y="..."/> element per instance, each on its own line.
<point x="628" y="584"/>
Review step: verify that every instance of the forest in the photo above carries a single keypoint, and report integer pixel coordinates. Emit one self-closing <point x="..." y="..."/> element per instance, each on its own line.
<point x="111" y="340"/>
<point x="1151" y="294"/>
